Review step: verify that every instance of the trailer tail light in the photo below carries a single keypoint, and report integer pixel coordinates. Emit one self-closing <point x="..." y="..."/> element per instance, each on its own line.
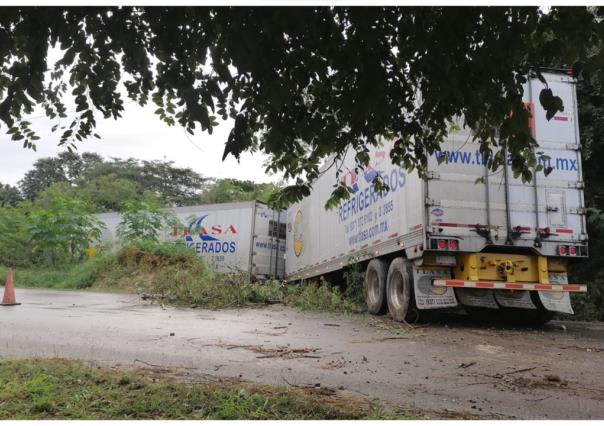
<point x="443" y="244"/>
<point x="571" y="250"/>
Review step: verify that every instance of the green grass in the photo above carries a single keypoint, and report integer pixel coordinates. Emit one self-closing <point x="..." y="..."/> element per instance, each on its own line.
<point x="173" y="274"/>
<point x="78" y="276"/>
<point x="61" y="389"/>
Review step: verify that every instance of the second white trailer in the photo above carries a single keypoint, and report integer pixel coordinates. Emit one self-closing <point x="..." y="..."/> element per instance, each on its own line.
<point x="232" y="237"/>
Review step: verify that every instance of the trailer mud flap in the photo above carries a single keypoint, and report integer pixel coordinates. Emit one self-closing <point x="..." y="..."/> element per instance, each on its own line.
<point x="477" y="297"/>
<point x="426" y="295"/>
<point x="514" y="299"/>
<point x="557" y="301"/>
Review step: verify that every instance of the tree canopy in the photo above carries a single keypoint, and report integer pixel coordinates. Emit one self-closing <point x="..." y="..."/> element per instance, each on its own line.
<point x="299" y="83"/>
<point x="106" y="184"/>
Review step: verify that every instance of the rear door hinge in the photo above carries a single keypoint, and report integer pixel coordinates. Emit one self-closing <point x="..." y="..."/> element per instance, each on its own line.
<point x="578" y="210"/>
<point x="576" y="185"/>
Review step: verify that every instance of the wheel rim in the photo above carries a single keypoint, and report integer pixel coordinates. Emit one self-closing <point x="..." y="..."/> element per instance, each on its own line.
<point x="396" y="291"/>
<point x="373" y="287"/>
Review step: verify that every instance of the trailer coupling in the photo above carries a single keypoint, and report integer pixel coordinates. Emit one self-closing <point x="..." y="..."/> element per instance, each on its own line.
<point x="499" y="285"/>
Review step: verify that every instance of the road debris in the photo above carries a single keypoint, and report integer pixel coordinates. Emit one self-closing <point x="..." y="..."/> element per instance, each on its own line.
<point x="466" y="365"/>
<point x="276" y="352"/>
<point x="334" y="364"/>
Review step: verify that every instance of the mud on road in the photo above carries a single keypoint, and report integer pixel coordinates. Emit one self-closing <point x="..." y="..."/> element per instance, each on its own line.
<point x="454" y="368"/>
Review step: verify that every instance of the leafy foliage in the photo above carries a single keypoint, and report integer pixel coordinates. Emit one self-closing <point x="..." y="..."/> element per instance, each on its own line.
<point x="590" y="94"/>
<point x="143" y="221"/>
<point x="14" y="244"/>
<point x="106" y="184"/>
<point x="228" y="190"/>
<point x="298" y="83"/>
<point x="9" y="195"/>
<point x="61" y="232"/>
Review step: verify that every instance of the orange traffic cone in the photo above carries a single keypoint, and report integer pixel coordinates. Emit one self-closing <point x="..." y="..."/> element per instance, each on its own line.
<point x="9" y="291"/>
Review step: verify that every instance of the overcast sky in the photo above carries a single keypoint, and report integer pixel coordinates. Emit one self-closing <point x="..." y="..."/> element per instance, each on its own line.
<point x="139" y="134"/>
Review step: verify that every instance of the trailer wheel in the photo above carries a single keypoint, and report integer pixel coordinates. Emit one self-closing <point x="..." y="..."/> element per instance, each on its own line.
<point x="375" y="286"/>
<point x="398" y="289"/>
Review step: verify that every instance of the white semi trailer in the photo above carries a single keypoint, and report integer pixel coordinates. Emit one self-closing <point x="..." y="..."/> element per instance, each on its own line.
<point x="453" y="240"/>
<point x="233" y="237"/>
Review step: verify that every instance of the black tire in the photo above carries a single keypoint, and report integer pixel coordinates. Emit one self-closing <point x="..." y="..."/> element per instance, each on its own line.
<point x="398" y="289"/>
<point x="375" y="286"/>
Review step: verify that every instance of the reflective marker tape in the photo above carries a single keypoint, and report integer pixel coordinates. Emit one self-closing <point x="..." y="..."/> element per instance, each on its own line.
<point x="575" y="288"/>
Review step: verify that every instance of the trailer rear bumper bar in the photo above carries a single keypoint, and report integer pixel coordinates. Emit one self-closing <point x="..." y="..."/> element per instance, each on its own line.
<point x="497" y="285"/>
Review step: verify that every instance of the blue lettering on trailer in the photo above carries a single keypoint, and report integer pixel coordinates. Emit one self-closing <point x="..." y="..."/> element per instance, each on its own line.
<point x="362" y="199"/>
<point x="476" y="158"/>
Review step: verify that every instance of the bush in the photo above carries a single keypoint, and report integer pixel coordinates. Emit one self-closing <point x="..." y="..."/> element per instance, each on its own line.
<point x="15" y="249"/>
<point x="320" y="297"/>
<point x="142" y="221"/>
<point x="589" y="306"/>
<point x="61" y="232"/>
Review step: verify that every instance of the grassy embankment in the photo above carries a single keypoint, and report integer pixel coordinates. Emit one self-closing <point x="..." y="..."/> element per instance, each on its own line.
<point x="61" y="389"/>
<point x="172" y="274"/>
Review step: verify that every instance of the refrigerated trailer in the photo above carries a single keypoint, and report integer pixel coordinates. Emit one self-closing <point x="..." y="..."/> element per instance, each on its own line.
<point x="233" y="237"/>
<point x="466" y="236"/>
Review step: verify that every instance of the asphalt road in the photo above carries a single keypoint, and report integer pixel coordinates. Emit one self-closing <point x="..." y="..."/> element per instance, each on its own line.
<point x="455" y="368"/>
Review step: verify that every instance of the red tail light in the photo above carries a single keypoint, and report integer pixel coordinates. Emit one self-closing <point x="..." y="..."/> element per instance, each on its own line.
<point x="442" y="244"/>
<point x="562" y="250"/>
<point x="572" y="250"/>
<point x="452" y="245"/>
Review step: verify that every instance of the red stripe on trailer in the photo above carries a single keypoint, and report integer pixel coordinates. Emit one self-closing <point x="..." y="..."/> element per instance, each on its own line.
<point x="451" y="225"/>
<point x="376" y="241"/>
<point x="393" y="235"/>
<point x="543" y="287"/>
<point x="564" y="231"/>
<point x="522" y="228"/>
<point x="514" y="286"/>
<point x="418" y="226"/>
<point x="484" y="285"/>
<point x="560" y="118"/>
<point x="571" y="287"/>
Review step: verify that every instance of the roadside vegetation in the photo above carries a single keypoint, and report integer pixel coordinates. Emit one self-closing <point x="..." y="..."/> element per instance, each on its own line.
<point x="61" y="389"/>
<point x="171" y="273"/>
